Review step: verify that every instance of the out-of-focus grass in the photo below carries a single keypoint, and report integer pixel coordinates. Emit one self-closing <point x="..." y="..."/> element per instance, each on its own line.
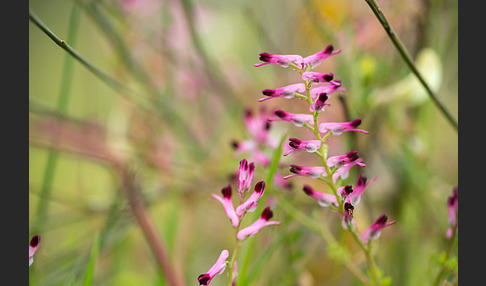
<point x="411" y="149"/>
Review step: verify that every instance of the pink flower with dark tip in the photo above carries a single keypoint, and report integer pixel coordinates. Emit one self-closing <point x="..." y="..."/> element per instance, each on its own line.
<point x="33" y="246"/>
<point x="335" y="85"/>
<point x="316" y="77"/>
<point x="296" y="119"/>
<point x="313" y="172"/>
<point x="319" y="104"/>
<point x="288" y="91"/>
<point x="452" y="212"/>
<point x="310" y="146"/>
<point x="374" y="231"/>
<point x="323" y="199"/>
<point x="218" y="268"/>
<point x="228" y="205"/>
<point x="339" y="161"/>
<point x="245" y="177"/>
<point x="347" y="217"/>
<point x="337" y="128"/>
<point x="281" y="60"/>
<point x="355" y="197"/>
<point x="343" y="171"/>
<point x="252" y="202"/>
<point x="315" y="59"/>
<point x="261" y="222"/>
<point x="344" y="192"/>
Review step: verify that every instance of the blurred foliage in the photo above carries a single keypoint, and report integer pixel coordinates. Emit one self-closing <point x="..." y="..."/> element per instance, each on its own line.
<point x="188" y="69"/>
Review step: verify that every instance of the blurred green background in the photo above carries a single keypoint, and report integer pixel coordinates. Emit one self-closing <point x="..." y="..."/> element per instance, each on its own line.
<point x="187" y="75"/>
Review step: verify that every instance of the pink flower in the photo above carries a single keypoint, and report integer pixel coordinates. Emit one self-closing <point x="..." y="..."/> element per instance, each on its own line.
<point x="315" y="59"/>
<point x="296" y="119"/>
<point x="313" y="172"/>
<point x="228" y="205"/>
<point x="252" y="202"/>
<point x="288" y="91"/>
<point x="347" y="218"/>
<point x="343" y="171"/>
<point x="261" y="222"/>
<point x="338" y="128"/>
<point x="34" y="244"/>
<point x="310" y="146"/>
<point x="339" y="161"/>
<point x="355" y="197"/>
<point x="259" y="127"/>
<point x="218" y="268"/>
<point x="316" y="77"/>
<point x="319" y="104"/>
<point x="452" y="211"/>
<point x="323" y="199"/>
<point x="245" y="177"/>
<point x="281" y="60"/>
<point x="344" y="192"/>
<point x="328" y="89"/>
<point x="374" y="231"/>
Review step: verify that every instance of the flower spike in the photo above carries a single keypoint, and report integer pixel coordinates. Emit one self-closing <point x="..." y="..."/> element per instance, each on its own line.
<point x="228" y="205"/>
<point x="281" y="60"/>
<point x="374" y="231"/>
<point x="33" y="246"/>
<point x="218" y="268"/>
<point x="261" y="222"/>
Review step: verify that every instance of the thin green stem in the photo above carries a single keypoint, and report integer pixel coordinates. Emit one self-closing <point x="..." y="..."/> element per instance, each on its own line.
<point x="448" y="253"/>
<point x="408" y="60"/>
<point x="238" y="244"/>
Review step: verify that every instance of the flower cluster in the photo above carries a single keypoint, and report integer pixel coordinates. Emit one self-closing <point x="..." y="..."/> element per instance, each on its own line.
<point x="235" y="215"/>
<point x="316" y="89"/>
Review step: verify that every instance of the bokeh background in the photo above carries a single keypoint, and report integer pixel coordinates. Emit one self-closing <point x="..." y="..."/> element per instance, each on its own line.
<point x="185" y="76"/>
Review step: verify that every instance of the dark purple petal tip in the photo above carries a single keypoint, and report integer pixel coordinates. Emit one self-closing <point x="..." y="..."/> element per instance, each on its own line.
<point x="268" y="92"/>
<point x="203" y="279"/>
<point x="260" y="186"/>
<point x="308" y="190"/>
<point x="35" y="240"/>
<point x="329" y="49"/>
<point x="226" y="191"/>
<point x="267" y="214"/>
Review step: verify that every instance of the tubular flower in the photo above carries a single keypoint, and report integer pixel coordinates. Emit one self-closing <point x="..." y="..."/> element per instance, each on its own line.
<point x="288" y="91"/>
<point x="218" y="268"/>
<point x="339" y="161"/>
<point x="344" y="192"/>
<point x="252" y="201"/>
<point x="281" y="60"/>
<point x="337" y="128"/>
<point x="328" y="89"/>
<point x="323" y="199"/>
<point x="261" y="222"/>
<point x="313" y="172"/>
<point x="310" y="146"/>
<point x="319" y="104"/>
<point x="228" y="205"/>
<point x="343" y="172"/>
<point x="245" y="176"/>
<point x="316" y="77"/>
<point x="315" y="59"/>
<point x="34" y="244"/>
<point x="348" y="215"/>
<point x="374" y="231"/>
<point x="296" y="119"/>
<point x="355" y="197"/>
<point x="452" y="212"/>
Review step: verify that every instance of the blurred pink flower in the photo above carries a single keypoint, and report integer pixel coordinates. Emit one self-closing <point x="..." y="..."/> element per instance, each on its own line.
<point x="218" y="268"/>
<point x="228" y="205"/>
<point x="334" y="86"/>
<point x="316" y="77"/>
<point x="245" y="177"/>
<point x="320" y="103"/>
<point x="33" y="246"/>
<point x="337" y="128"/>
<point x="374" y="231"/>
<point x="339" y="161"/>
<point x="452" y="212"/>
<point x="288" y="91"/>
<point x="315" y="59"/>
<point x="355" y="197"/>
<point x="343" y="171"/>
<point x="261" y="222"/>
<point x="347" y="218"/>
<point x="323" y="199"/>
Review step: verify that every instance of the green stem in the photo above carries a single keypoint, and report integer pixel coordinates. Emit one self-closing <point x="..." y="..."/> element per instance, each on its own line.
<point x="408" y="60"/>
<point x="238" y="244"/>
<point x="448" y="253"/>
